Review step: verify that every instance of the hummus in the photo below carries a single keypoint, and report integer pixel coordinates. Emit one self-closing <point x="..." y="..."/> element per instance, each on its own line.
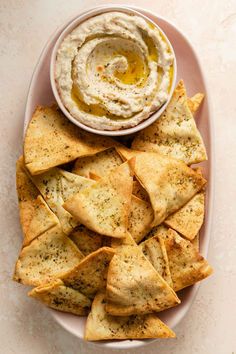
<point x="113" y="71"/>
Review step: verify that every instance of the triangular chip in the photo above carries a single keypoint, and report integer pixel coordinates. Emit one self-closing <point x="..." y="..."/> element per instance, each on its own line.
<point x="51" y="140"/>
<point x="27" y="195"/>
<point x="195" y="102"/>
<point x="86" y="240"/>
<point x="196" y="242"/>
<point x="60" y="297"/>
<point x="56" y="186"/>
<point x="140" y="192"/>
<point x="157" y="230"/>
<point x="104" y="207"/>
<point x="101" y="326"/>
<point x="170" y="183"/>
<point x="133" y="285"/>
<point x="101" y="164"/>
<point x="89" y="276"/>
<point x="140" y="218"/>
<point x="174" y="134"/>
<point x="189" y="219"/>
<point x="47" y="257"/>
<point x="155" y="251"/>
<point x="187" y="266"/>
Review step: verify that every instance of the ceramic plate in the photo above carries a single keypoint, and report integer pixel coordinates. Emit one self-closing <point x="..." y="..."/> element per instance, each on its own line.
<point x="189" y="69"/>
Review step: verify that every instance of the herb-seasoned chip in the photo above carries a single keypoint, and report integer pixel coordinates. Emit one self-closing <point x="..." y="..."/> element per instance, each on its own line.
<point x="90" y="275"/>
<point x="196" y="242"/>
<point x="60" y="297"/>
<point x="100" y="325"/>
<point x="195" y="102"/>
<point x="51" y="140"/>
<point x="47" y="257"/>
<point x="155" y="251"/>
<point x="187" y="266"/>
<point x="133" y="285"/>
<point x="140" y="218"/>
<point x="170" y="183"/>
<point x="86" y="240"/>
<point x="157" y="230"/>
<point x="175" y="133"/>
<point x="101" y="164"/>
<point x="140" y="192"/>
<point x="188" y="220"/>
<point x="56" y="186"/>
<point x="27" y="195"/>
<point x="104" y="207"/>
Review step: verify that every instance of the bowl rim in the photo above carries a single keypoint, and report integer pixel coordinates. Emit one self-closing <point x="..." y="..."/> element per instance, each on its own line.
<point x="69" y="25"/>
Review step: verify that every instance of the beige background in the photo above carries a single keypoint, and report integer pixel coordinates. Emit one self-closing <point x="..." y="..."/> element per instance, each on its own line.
<point x="209" y="328"/>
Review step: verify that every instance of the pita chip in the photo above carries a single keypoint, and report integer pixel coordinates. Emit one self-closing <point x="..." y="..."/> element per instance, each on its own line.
<point x="60" y="297"/>
<point x="104" y="207"/>
<point x="51" y="140"/>
<point x="140" y="218"/>
<point x="47" y="257"/>
<point x="155" y="251"/>
<point x="101" y="326"/>
<point x="195" y="102"/>
<point x="133" y="285"/>
<point x="140" y="192"/>
<point x="175" y="133"/>
<point x="89" y="276"/>
<point x="196" y="242"/>
<point x="188" y="220"/>
<point x="170" y="183"/>
<point x="187" y="266"/>
<point x="99" y="164"/>
<point x="56" y="186"/>
<point x="86" y="240"/>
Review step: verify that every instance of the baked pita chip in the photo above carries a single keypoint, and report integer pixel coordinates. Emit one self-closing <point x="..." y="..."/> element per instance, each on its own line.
<point x="174" y="134"/>
<point x="188" y="220"/>
<point x="60" y="297"/>
<point x="170" y="183"/>
<point x="89" y="276"/>
<point x="86" y="240"/>
<point x="56" y="186"/>
<point x="157" y="231"/>
<point x="100" y="164"/>
<point x="187" y="266"/>
<point x="140" y="218"/>
<point x="195" y="102"/>
<point x="155" y="251"/>
<point x="196" y="242"/>
<point x="133" y="285"/>
<point x="51" y="140"/>
<point x="104" y="207"/>
<point x="101" y="326"/>
<point x="27" y="195"/>
<point x="47" y="257"/>
<point x="140" y="192"/>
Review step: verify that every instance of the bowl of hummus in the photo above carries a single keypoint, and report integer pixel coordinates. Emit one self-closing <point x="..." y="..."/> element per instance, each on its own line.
<point x="113" y="71"/>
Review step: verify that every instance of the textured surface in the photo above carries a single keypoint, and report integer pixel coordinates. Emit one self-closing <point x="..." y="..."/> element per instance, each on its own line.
<point x="209" y="328"/>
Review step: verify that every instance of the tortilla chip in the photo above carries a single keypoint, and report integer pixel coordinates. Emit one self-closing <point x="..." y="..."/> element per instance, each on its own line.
<point x="104" y="207"/>
<point x="170" y="183"/>
<point x="101" y="164"/>
<point x="59" y="297"/>
<point x="155" y="251"/>
<point x="89" y="276"/>
<point x="47" y="257"/>
<point x="56" y="186"/>
<point x="27" y="195"/>
<point x="174" y="134"/>
<point x="140" y="218"/>
<point x="188" y="220"/>
<point x="51" y="140"/>
<point x="140" y="192"/>
<point x="196" y="242"/>
<point x="86" y="240"/>
<point x="195" y="102"/>
<point x="133" y="285"/>
<point x="101" y="326"/>
<point x="187" y="266"/>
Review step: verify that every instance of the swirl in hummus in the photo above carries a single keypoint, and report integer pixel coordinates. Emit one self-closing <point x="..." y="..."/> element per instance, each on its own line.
<point x="113" y="71"/>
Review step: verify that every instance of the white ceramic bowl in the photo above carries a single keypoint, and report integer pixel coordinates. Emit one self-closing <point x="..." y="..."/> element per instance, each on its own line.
<point x="68" y="29"/>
